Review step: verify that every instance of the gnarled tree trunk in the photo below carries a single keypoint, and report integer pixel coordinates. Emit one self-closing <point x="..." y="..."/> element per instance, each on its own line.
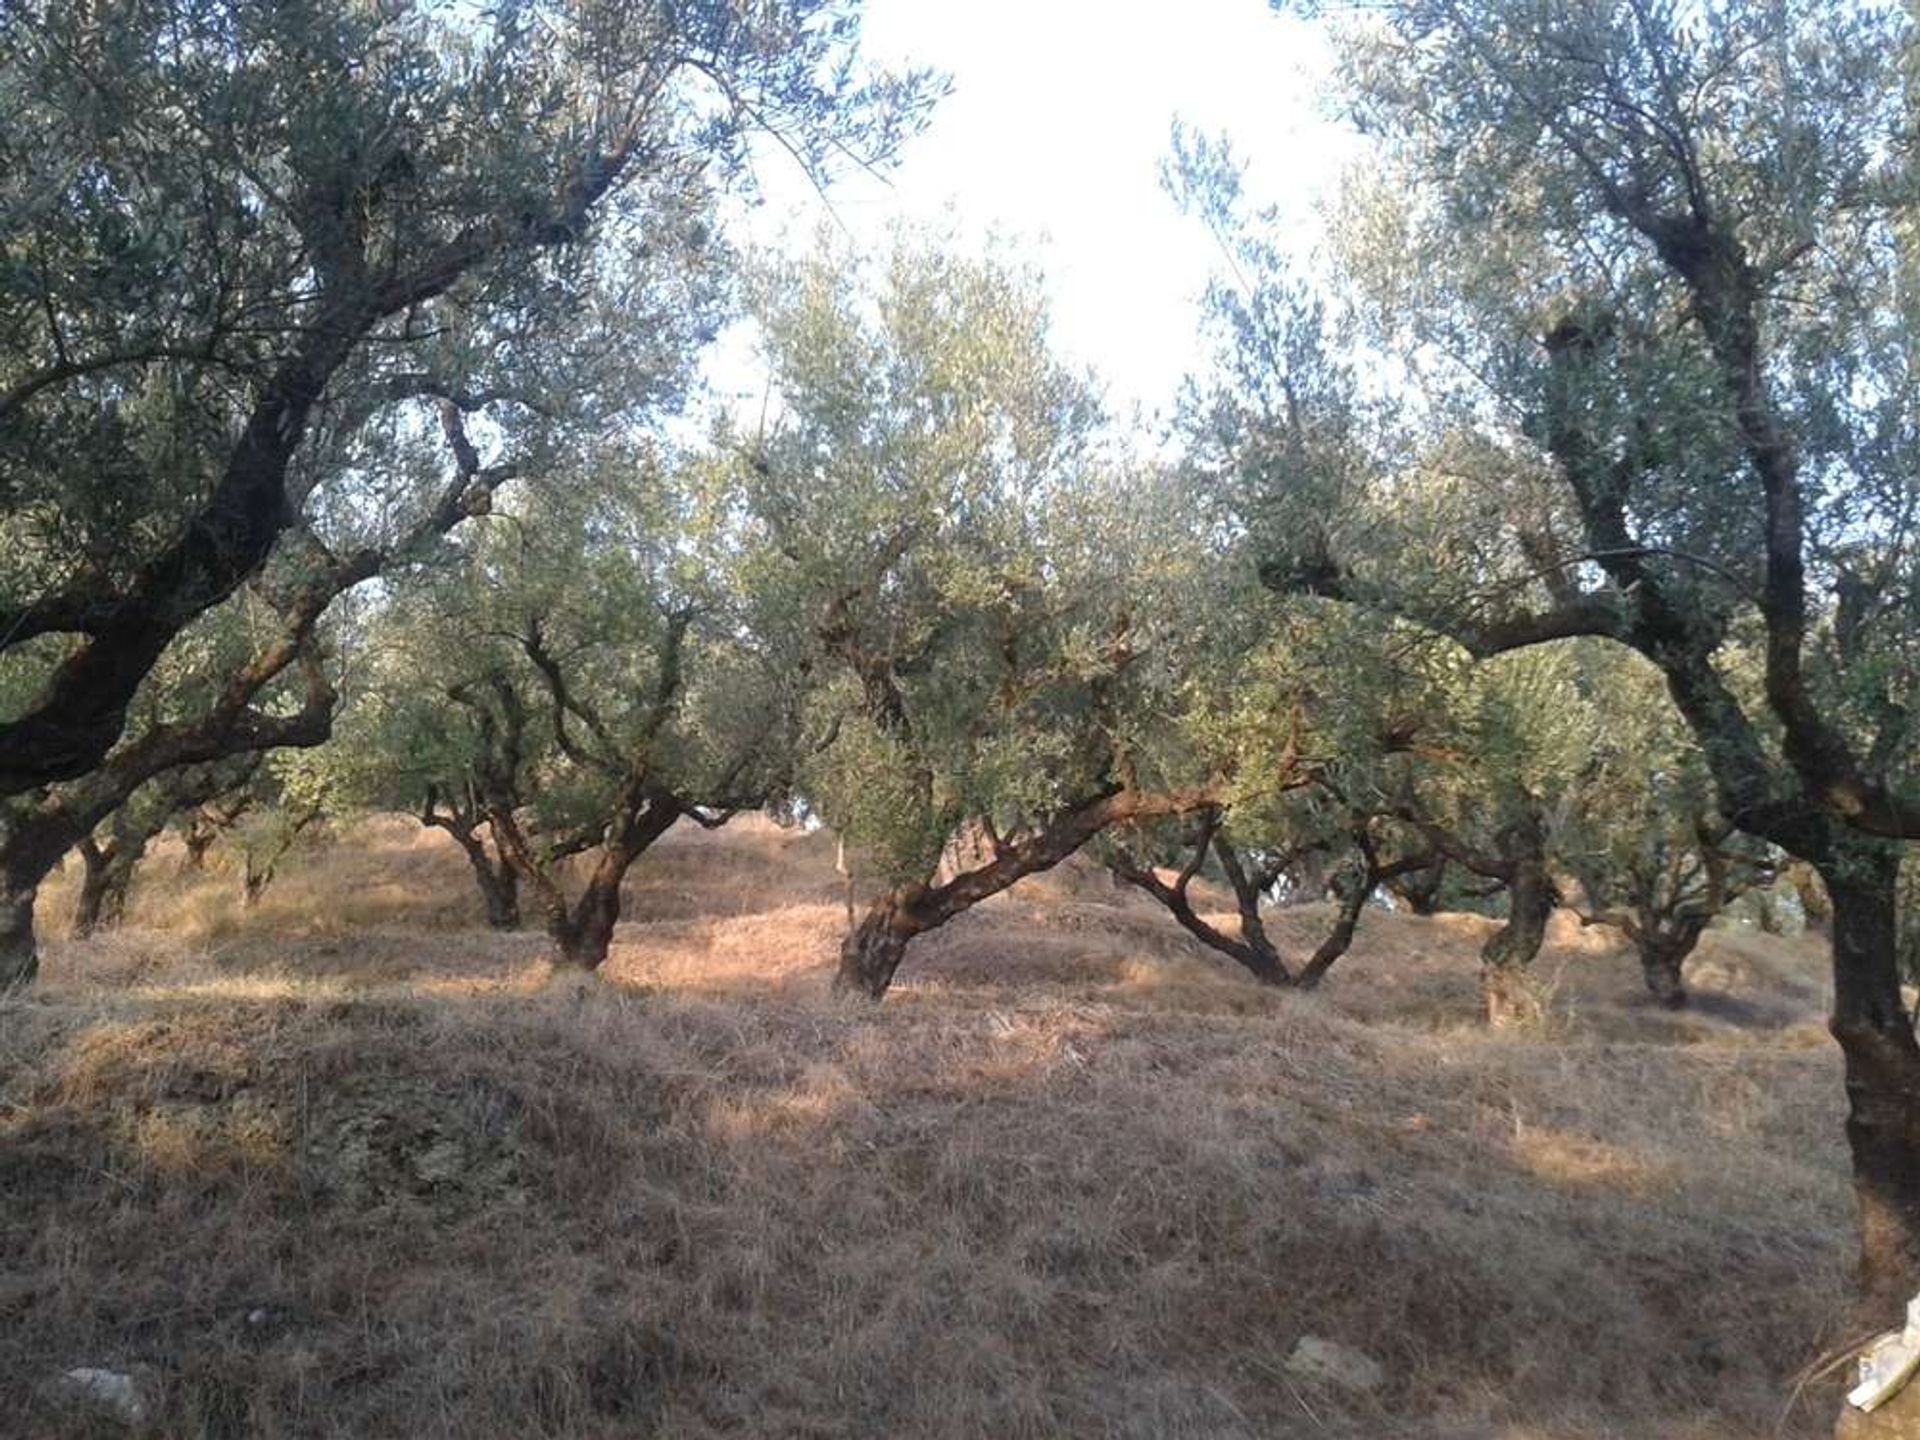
<point x="264" y="864"/>
<point x="1354" y="885"/>
<point x="1507" y="986"/>
<point x="35" y="835"/>
<point x="1518" y="865"/>
<point x="495" y="877"/>
<point x="30" y="850"/>
<point x="1354" y="891"/>
<point x="110" y="858"/>
<point x="1882" y="1071"/>
<point x="1251" y="948"/>
<point x="871" y="954"/>
<point x="218" y="815"/>
<point x="106" y="873"/>
<point x="873" y="949"/>
<point x="582" y="929"/>
<point x="1419" y="890"/>
<point x="499" y="889"/>
<point x="1664" y="950"/>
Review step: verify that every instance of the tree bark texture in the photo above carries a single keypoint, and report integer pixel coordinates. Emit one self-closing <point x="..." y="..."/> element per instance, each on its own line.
<point x="1882" y="1072"/>
<point x="1506" y="979"/>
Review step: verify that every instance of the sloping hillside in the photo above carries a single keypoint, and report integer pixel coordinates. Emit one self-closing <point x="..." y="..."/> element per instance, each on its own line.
<point x="348" y="1166"/>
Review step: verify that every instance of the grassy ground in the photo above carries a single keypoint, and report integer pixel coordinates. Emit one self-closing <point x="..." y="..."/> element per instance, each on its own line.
<point x="349" y="1166"/>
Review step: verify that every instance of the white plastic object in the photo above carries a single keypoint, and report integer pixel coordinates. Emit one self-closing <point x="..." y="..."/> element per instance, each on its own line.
<point x="1888" y="1363"/>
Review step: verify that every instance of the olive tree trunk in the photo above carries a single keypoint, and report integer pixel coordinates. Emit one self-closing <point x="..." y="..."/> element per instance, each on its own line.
<point x="499" y="889"/>
<point x="196" y="841"/>
<point x="1664" y="951"/>
<point x="873" y="949"/>
<point x="1507" y="987"/>
<point x="1876" y="1037"/>
<point x="30" y="850"/>
<point x="1420" y="890"/>
<point x="582" y="928"/>
<point x="105" y="877"/>
<point x="1354" y="891"/>
<point x="495" y="878"/>
<point x="19" y="955"/>
<point x="582" y="933"/>
<point x="1251" y="948"/>
<point x="871" y="954"/>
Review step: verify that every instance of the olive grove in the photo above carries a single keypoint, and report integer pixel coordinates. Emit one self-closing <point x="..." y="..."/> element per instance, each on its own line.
<point x="1644" y="272"/>
<point x="1548" y="542"/>
<point x="266" y="265"/>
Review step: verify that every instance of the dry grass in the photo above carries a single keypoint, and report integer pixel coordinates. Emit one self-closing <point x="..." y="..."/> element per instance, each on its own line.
<point x="345" y="1166"/>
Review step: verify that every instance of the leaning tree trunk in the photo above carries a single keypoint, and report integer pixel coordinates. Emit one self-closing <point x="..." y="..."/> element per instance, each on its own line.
<point x="1355" y="890"/>
<point x="216" y="815"/>
<point x="874" y="948"/>
<point x="262" y="868"/>
<point x="1252" y="947"/>
<point x="1354" y="895"/>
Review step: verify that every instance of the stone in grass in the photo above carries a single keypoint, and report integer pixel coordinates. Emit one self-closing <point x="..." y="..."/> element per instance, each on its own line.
<point x="106" y="1392"/>
<point x="1328" y="1362"/>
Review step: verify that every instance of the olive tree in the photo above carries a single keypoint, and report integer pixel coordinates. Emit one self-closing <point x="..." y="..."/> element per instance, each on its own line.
<point x="1487" y="769"/>
<point x="589" y="675"/>
<point x="111" y="853"/>
<point x="1287" y="706"/>
<point x="935" y="495"/>
<point x="1655" y="859"/>
<point x="412" y="746"/>
<point x="1652" y="268"/>
<point x="250" y="249"/>
<point x="1254" y="869"/>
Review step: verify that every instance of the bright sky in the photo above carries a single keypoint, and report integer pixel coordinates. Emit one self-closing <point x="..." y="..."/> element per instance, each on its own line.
<point x="1059" y="118"/>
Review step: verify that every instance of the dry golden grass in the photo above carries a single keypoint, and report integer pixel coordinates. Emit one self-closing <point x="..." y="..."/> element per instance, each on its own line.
<point x="345" y="1166"/>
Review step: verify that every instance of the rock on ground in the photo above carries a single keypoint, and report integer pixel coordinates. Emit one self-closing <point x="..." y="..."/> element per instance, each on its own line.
<point x="106" y="1391"/>
<point x="1330" y="1362"/>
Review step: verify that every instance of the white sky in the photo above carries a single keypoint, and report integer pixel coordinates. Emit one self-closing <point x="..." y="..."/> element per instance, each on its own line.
<point x="1058" y="120"/>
